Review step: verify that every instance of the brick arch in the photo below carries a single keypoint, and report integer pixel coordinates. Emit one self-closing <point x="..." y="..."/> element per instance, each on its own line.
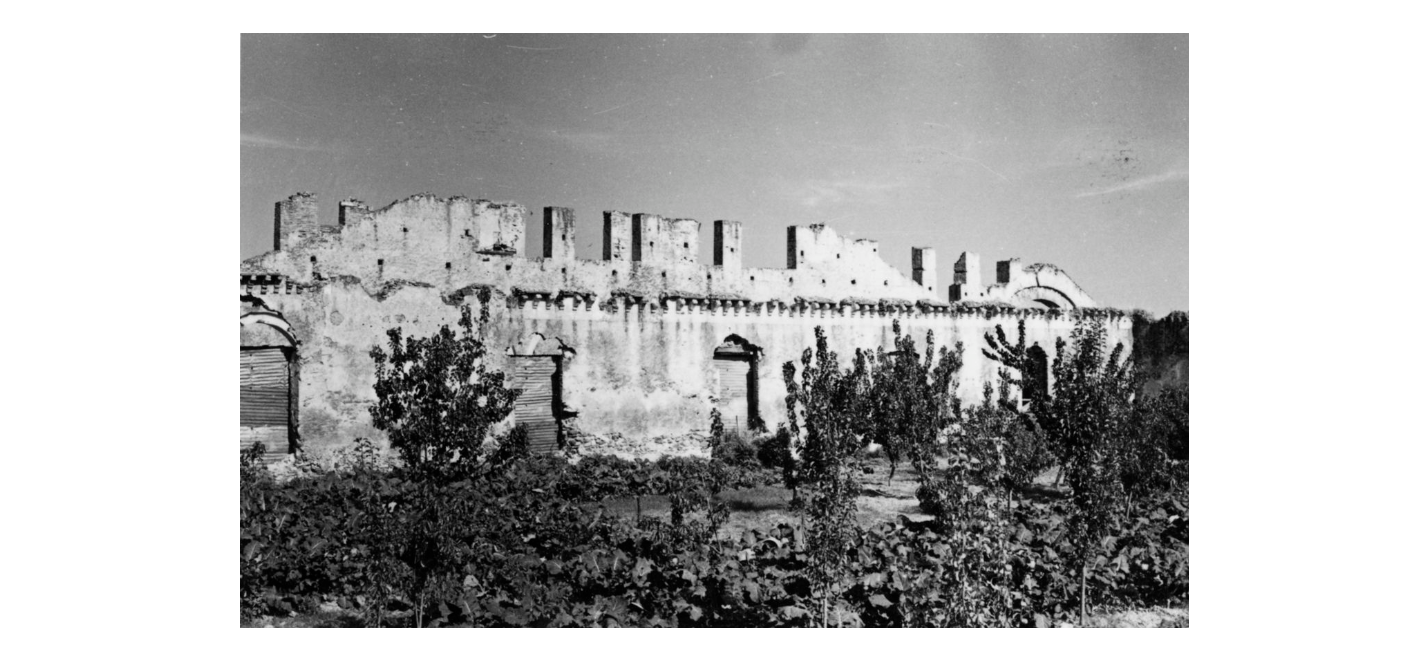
<point x="1044" y="296"/>
<point x="266" y="328"/>
<point x="267" y="383"/>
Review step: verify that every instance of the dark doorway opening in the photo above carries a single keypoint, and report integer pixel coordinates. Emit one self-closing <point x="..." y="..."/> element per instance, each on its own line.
<point x="1036" y="383"/>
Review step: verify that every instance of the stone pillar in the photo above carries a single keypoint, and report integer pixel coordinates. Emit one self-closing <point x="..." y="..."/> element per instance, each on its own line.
<point x="681" y="241"/>
<point x="966" y="277"/>
<point x="728" y="242"/>
<point x="645" y="236"/>
<point x="1007" y="269"/>
<point x="617" y="236"/>
<point x="294" y="219"/>
<point x="800" y="239"/>
<point x="350" y="210"/>
<point x="924" y="268"/>
<point x="558" y="238"/>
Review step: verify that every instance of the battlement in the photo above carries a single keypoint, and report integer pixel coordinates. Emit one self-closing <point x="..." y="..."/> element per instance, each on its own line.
<point x="642" y="331"/>
<point x="294" y="220"/>
<point x="813" y="246"/>
<point x="728" y="244"/>
<point x="460" y="241"/>
<point x="558" y="239"/>
<point x="420" y="223"/>
<point x="657" y="240"/>
<point x="924" y="267"/>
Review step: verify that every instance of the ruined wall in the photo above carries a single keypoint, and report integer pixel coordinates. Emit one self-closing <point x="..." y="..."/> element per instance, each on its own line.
<point x="1037" y="285"/>
<point x="643" y="323"/>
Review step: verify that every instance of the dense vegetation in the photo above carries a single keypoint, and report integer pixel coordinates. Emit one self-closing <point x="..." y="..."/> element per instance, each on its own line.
<point x="469" y="530"/>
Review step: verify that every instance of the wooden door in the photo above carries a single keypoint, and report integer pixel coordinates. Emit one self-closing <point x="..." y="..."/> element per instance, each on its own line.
<point x="538" y="376"/>
<point x="736" y="393"/>
<point x="264" y="400"/>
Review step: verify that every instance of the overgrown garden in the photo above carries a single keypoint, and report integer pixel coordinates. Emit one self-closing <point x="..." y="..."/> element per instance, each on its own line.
<point x="469" y="529"/>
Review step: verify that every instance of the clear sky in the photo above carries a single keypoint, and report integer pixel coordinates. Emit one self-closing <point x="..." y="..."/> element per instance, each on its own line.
<point x="1072" y="150"/>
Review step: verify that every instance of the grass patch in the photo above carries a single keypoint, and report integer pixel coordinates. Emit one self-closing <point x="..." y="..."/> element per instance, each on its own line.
<point x="762" y="498"/>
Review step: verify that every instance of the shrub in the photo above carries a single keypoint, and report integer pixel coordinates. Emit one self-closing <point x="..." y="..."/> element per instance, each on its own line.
<point x="909" y="402"/>
<point x="437" y="401"/>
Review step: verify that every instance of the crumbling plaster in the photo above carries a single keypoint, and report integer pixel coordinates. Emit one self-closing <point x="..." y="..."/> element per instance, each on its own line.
<point x="642" y="323"/>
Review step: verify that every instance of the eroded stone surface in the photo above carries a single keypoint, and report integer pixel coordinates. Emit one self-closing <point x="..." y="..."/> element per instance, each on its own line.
<point x="636" y="329"/>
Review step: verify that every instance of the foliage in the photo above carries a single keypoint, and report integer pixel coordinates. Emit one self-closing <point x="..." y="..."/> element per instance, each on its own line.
<point x="521" y="540"/>
<point x="253" y="478"/>
<point x="1018" y="358"/>
<point x="1025" y="446"/>
<point x="437" y="401"/>
<point x="826" y="398"/>
<point x="909" y="402"/>
<point x="1000" y="432"/>
<point x="716" y="431"/>
<point x="1088" y="417"/>
<point x="1154" y="454"/>
<point x="526" y="558"/>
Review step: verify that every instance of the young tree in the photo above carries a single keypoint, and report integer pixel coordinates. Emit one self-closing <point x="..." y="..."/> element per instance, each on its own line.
<point x="1088" y="416"/>
<point x="437" y="401"/>
<point x="1025" y="370"/>
<point x="1009" y="437"/>
<point x="1021" y="444"/>
<point x="826" y="400"/>
<point x="910" y="401"/>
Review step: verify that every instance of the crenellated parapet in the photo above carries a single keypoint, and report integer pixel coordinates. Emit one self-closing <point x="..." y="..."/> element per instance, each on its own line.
<point x="422" y="223"/>
<point x="458" y="242"/>
<point x="635" y="342"/>
<point x="267" y="284"/>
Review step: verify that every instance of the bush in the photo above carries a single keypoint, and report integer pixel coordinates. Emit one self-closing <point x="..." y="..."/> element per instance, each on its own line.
<point x="437" y="401"/>
<point x="518" y="553"/>
<point x="515" y="542"/>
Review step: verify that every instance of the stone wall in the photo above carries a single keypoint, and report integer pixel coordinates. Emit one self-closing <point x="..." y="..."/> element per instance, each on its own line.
<point x="638" y="328"/>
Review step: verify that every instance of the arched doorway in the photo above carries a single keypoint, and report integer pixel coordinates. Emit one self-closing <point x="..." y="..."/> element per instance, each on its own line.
<point x="1036" y="383"/>
<point x="539" y="373"/>
<point x="737" y="391"/>
<point x="267" y="384"/>
<point x="538" y="378"/>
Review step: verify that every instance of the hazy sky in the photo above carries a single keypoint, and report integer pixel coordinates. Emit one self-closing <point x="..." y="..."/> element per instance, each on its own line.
<point x="1072" y="150"/>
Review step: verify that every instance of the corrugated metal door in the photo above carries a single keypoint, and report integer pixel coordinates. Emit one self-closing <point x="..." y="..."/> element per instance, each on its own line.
<point x="538" y="376"/>
<point x="734" y="391"/>
<point x="264" y="397"/>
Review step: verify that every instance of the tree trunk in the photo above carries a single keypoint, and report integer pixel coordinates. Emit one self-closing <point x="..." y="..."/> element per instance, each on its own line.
<point x="638" y="510"/>
<point x="1083" y="594"/>
<point x="825" y="609"/>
